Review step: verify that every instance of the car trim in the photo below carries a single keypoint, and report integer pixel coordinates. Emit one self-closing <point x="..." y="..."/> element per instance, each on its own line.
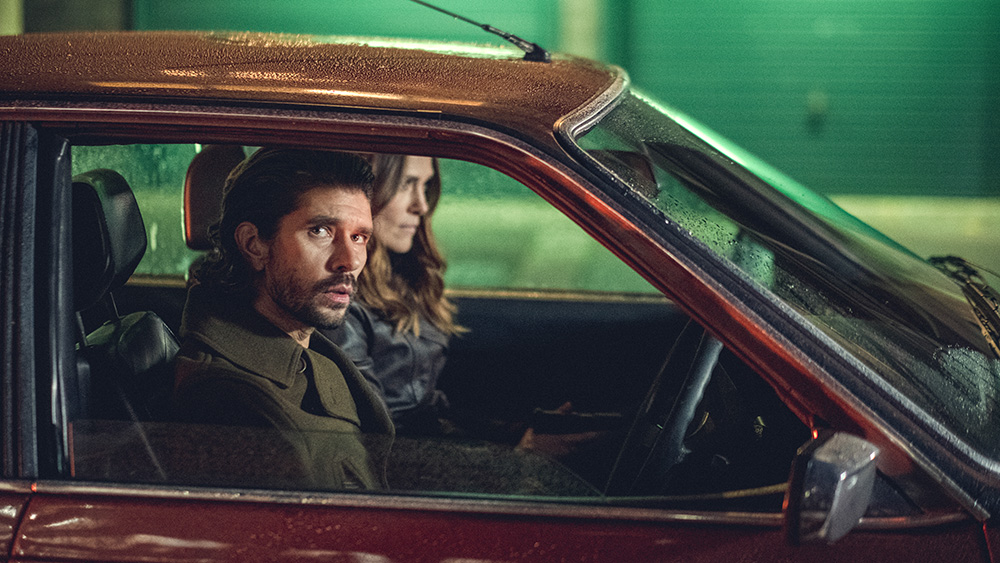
<point x="585" y="116"/>
<point x="479" y="505"/>
<point x="25" y="487"/>
<point x="575" y="295"/>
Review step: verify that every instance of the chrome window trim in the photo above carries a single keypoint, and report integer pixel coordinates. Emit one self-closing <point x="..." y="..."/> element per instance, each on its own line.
<point x="489" y="506"/>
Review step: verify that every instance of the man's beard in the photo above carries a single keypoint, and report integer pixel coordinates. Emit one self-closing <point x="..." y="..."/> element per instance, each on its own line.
<point x="301" y="304"/>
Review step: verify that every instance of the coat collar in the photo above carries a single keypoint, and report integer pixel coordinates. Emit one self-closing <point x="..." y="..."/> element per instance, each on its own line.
<point x="230" y="325"/>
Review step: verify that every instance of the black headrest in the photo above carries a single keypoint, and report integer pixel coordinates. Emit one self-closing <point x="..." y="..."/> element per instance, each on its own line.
<point x="203" y="187"/>
<point x="109" y="237"/>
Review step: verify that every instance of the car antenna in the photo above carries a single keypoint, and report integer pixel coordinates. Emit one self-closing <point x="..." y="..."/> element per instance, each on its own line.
<point x="532" y="52"/>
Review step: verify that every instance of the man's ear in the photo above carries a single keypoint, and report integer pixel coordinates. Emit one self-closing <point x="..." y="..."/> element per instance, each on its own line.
<point x="253" y="247"/>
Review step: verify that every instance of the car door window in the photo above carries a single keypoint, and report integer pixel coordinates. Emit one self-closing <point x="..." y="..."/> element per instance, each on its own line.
<point x="522" y="242"/>
<point x="496" y="233"/>
<point x="156" y="175"/>
<point x="546" y="388"/>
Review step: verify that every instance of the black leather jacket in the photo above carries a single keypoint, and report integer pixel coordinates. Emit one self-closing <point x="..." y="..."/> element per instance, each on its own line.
<point x="402" y="366"/>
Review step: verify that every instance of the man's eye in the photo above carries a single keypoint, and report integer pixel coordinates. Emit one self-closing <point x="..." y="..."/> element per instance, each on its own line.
<point x="360" y="238"/>
<point x="319" y="231"/>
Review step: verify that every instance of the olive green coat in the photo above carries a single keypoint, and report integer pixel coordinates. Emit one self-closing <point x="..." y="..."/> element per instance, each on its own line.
<point x="236" y="368"/>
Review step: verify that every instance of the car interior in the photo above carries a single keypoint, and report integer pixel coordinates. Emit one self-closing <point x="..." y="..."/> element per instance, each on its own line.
<point x="622" y="395"/>
<point x="123" y="367"/>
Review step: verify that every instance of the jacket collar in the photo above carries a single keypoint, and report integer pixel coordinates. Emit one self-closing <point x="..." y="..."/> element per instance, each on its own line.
<point x="231" y="326"/>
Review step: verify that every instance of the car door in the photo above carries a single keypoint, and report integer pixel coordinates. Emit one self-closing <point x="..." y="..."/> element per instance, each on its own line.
<point x="125" y="490"/>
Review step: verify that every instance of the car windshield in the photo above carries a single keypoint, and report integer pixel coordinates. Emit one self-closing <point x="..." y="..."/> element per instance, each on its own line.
<point x="887" y="307"/>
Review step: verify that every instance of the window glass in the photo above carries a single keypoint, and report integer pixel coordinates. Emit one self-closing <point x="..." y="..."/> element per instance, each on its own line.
<point x="231" y="456"/>
<point x="156" y="175"/>
<point x="892" y="310"/>
<point x="544" y="390"/>
<point x="494" y="232"/>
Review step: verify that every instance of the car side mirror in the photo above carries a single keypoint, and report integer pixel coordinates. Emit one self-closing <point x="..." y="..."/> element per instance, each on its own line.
<point x="830" y="488"/>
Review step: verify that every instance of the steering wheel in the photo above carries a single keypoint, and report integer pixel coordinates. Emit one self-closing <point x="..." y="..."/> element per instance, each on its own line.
<point x="655" y="441"/>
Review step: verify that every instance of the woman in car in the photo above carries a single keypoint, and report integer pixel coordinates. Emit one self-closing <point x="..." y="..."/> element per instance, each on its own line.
<point x="398" y="327"/>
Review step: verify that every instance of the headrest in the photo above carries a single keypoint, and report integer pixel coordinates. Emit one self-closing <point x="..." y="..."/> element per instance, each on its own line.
<point x="206" y="177"/>
<point x="109" y="237"/>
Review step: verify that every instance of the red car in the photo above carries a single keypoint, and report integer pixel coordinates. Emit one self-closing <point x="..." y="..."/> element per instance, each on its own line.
<point x="754" y="374"/>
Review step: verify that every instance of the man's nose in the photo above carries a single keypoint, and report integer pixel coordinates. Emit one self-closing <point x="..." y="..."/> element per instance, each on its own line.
<point x="347" y="256"/>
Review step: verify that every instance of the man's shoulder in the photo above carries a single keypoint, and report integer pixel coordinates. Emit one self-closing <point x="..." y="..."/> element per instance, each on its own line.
<point x="197" y="363"/>
<point x="210" y="389"/>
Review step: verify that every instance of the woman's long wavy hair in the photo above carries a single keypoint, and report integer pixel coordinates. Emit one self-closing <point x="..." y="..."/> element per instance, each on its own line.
<point x="406" y="287"/>
<point x="264" y="188"/>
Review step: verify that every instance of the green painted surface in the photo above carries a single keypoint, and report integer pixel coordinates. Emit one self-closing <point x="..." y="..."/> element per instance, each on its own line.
<point x="390" y="18"/>
<point x="897" y="97"/>
<point x="892" y="97"/>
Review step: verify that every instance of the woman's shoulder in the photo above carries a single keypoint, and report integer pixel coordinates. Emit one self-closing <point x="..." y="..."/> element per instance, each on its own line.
<point x="359" y="324"/>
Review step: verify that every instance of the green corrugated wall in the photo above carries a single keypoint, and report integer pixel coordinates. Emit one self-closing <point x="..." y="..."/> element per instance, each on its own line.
<point x="878" y="97"/>
<point x="850" y="96"/>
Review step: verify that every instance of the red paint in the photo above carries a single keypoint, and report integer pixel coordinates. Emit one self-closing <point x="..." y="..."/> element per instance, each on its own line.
<point x="69" y="528"/>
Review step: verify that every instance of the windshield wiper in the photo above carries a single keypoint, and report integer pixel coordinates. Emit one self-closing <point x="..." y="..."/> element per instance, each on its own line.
<point x="985" y="301"/>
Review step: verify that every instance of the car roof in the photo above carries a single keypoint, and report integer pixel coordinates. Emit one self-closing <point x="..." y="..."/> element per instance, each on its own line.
<point x="480" y="83"/>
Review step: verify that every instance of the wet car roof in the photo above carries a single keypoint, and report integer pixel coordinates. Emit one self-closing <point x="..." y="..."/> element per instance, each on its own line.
<point x="489" y="84"/>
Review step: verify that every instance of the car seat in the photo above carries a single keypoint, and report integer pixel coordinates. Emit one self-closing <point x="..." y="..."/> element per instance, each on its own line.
<point x="125" y="366"/>
<point x="203" y="193"/>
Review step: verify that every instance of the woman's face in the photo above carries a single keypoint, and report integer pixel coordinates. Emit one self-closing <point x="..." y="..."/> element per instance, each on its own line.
<point x="397" y="222"/>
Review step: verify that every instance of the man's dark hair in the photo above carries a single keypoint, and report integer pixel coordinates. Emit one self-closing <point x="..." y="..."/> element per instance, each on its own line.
<point x="262" y="190"/>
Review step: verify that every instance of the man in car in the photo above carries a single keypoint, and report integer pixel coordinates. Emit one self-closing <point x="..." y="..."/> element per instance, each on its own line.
<point x="288" y="249"/>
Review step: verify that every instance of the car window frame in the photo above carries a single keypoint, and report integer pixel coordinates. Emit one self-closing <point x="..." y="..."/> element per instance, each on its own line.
<point x="38" y="289"/>
<point x="137" y="123"/>
<point x="19" y="257"/>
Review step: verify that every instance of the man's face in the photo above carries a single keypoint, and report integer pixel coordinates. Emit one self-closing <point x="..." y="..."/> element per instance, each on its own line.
<point x="311" y="264"/>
